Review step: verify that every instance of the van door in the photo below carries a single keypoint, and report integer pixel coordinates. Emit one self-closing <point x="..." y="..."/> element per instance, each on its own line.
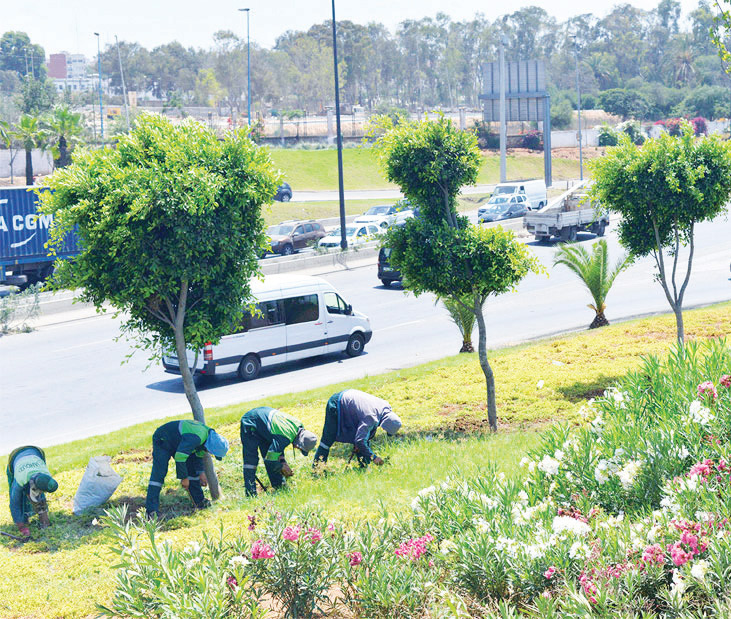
<point x="305" y="328"/>
<point x="262" y="333"/>
<point x="338" y="322"/>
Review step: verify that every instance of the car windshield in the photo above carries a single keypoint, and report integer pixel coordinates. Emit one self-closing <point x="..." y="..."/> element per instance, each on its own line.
<point x="378" y="210"/>
<point x="497" y="200"/>
<point x="349" y="231"/>
<point x="279" y="230"/>
<point x="496" y="208"/>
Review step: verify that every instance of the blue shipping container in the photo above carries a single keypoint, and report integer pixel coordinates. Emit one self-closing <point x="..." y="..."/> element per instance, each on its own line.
<point x="24" y="233"/>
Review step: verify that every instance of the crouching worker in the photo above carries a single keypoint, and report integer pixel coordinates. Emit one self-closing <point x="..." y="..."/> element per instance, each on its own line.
<point x="29" y="480"/>
<point x="353" y="416"/>
<point x="269" y="431"/>
<point x="186" y="442"/>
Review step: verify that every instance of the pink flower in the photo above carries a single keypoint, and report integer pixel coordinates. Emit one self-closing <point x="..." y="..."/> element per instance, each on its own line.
<point x="252" y="522"/>
<point x="549" y="572"/>
<point x="654" y="555"/>
<point x="315" y="535"/>
<point x="291" y="534"/>
<point x="331" y="526"/>
<point x="355" y="558"/>
<point x="726" y="381"/>
<point x="709" y="388"/>
<point x="232" y="582"/>
<point x="678" y="555"/>
<point x="260" y="550"/>
<point x="702" y="469"/>
<point x="414" y="548"/>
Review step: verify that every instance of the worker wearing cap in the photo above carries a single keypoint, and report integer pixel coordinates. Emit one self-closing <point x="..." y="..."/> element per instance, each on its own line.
<point x="185" y="442"/>
<point x="353" y="416"/>
<point x="269" y="431"/>
<point x="29" y="480"/>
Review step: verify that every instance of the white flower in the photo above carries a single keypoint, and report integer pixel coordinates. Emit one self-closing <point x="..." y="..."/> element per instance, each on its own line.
<point x="566" y="523"/>
<point x="683" y="453"/>
<point x="238" y="561"/>
<point x="628" y="473"/>
<point x="618" y="396"/>
<point x="549" y="465"/>
<point x="416" y="504"/>
<point x="482" y="525"/>
<point x="558" y="454"/>
<point x="679" y="585"/>
<point x="487" y="501"/>
<point x="699" y="569"/>
<point x="700" y="414"/>
<point x="428" y="491"/>
<point x="191" y="562"/>
<point x="619" y="452"/>
<point x="193" y="548"/>
<point x="95" y="523"/>
<point x="600" y="474"/>
<point x="539" y="384"/>
<point x="447" y="546"/>
<point x="579" y="551"/>
<point x="523" y="496"/>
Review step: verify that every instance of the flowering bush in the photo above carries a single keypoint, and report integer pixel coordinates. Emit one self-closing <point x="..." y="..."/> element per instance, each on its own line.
<point x="532" y="139"/>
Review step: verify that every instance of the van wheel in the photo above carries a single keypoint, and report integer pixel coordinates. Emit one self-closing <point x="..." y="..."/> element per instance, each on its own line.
<point x="600" y="227"/>
<point x="355" y="345"/>
<point x="386" y="282"/>
<point x="249" y="367"/>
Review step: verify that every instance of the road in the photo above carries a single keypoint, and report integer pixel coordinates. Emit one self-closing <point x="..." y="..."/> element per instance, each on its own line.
<point x="67" y="381"/>
<point x="388" y="195"/>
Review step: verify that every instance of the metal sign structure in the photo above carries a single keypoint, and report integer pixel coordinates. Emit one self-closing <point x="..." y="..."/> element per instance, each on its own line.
<point x="526" y="99"/>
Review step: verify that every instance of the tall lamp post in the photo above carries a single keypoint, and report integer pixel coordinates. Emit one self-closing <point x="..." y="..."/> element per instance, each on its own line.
<point x="341" y="191"/>
<point x="248" y="69"/>
<point x="578" y="91"/>
<point x="101" y="106"/>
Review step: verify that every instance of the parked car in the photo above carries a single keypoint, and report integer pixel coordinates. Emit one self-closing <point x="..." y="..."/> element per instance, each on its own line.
<point x="290" y="236"/>
<point x="386" y="273"/>
<point x="503" y="207"/>
<point x="284" y="193"/>
<point x="355" y="234"/>
<point x="394" y="213"/>
<point x="534" y="191"/>
<point x="295" y="317"/>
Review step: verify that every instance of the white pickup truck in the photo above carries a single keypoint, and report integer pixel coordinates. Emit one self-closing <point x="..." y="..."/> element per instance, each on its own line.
<point x="569" y="214"/>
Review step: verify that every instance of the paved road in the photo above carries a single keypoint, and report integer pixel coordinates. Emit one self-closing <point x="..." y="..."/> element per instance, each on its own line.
<point x="371" y="194"/>
<point x="66" y="381"/>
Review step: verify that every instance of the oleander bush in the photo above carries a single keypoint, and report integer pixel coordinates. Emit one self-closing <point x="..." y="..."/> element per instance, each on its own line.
<point x="625" y="515"/>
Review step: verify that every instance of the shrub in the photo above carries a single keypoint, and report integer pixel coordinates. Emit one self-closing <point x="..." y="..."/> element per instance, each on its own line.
<point x="561" y="113"/>
<point x="532" y="139"/>
<point x="673" y="126"/>
<point x="633" y="129"/>
<point x="607" y="136"/>
<point x="486" y="138"/>
<point x="700" y="126"/>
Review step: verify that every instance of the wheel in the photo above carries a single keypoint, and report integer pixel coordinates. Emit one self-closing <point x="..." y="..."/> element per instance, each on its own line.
<point x="542" y="238"/>
<point x="287" y="250"/>
<point x="601" y="227"/>
<point x="573" y="231"/>
<point x="568" y="234"/>
<point x="386" y="282"/>
<point x="286" y="197"/>
<point x="355" y="345"/>
<point x="249" y="367"/>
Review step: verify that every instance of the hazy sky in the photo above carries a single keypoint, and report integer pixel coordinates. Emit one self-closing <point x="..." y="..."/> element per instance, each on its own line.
<point x="69" y="24"/>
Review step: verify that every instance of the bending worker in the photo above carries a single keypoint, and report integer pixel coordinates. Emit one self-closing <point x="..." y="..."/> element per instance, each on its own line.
<point x="29" y="480"/>
<point x="186" y="442"/>
<point x="270" y="431"/>
<point x="353" y="416"/>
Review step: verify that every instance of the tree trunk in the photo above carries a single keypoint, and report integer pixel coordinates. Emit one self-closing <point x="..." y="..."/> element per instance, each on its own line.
<point x="28" y="166"/>
<point x="190" y="391"/>
<point x="63" y="153"/>
<point x="600" y="320"/>
<point x="485" y="365"/>
<point x="679" y="324"/>
<point x="467" y="346"/>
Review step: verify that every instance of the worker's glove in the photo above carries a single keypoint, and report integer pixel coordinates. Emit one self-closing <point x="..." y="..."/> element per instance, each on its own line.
<point x="24" y="530"/>
<point x="377" y="461"/>
<point x="204" y="480"/>
<point x="185" y="483"/>
<point x="286" y="471"/>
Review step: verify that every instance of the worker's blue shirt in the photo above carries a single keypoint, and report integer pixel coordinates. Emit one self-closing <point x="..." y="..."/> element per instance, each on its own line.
<point x="359" y="415"/>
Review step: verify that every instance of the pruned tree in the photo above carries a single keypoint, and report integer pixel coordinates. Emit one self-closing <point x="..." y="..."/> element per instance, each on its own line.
<point x="662" y="190"/>
<point x="170" y="226"/>
<point x="439" y="251"/>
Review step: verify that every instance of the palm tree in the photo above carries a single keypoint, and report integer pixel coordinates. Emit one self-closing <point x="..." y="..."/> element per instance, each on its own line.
<point x="65" y="126"/>
<point x="463" y="316"/>
<point x="593" y="269"/>
<point x="31" y="133"/>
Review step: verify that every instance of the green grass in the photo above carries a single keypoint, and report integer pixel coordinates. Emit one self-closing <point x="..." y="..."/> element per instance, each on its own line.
<point x="443" y="407"/>
<point x="317" y="170"/>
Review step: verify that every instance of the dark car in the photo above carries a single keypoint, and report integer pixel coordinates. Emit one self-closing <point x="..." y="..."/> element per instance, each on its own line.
<point x="290" y="236"/>
<point x="503" y="207"/>
<point x="386" y="273"/>
<point x="284" y="193"/>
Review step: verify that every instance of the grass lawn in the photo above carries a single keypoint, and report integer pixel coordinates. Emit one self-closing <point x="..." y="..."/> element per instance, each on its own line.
<point x="67" y="570"/>
<point x="314" y="170"/>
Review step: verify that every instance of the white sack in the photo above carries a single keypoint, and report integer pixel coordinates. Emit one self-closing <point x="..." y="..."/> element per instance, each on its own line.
<point x="97" y="485"/>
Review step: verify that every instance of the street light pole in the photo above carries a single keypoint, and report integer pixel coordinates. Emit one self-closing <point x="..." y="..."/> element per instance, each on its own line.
<point x="503" y="111"/>
<point x="248" y="69"/>
<point x="578" y="90"/>
<point x="124" y="87"/>
<point x="341" y="191"/>
<point x="101" y="106"/>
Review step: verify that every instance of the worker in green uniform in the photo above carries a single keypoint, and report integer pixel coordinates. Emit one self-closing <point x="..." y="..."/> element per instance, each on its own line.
<point x="269" y="431"/>
<point x="186" y="442"/>
<point x="29" y="480"/>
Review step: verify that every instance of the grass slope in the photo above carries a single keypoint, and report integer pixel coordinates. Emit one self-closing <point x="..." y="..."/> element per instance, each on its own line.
<point x="317" y="170"/>
<point x="67" y="570"/>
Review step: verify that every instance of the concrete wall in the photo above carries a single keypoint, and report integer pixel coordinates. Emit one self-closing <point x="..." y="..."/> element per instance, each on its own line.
<point x="42" y="163"/>
<point x="570" y="139"/>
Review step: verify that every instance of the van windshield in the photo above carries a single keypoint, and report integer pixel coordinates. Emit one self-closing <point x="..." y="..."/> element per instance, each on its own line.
<point x="279" y="230"/>
<point x="508" y="189"/>
<point x="378" y="210"/>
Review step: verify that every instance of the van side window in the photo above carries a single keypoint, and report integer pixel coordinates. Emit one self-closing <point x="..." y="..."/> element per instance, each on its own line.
<point x="267" y="314"/>
<point x="301" y="309"/>
<point x="334" y="304"/>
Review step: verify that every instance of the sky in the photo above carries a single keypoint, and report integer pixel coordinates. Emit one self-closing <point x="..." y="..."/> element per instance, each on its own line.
<point x="69" y="25"/>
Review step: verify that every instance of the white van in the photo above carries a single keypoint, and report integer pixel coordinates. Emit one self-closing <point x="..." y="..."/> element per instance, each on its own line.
<point x="534" y="190"/>
<point x="295" y="317"/>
